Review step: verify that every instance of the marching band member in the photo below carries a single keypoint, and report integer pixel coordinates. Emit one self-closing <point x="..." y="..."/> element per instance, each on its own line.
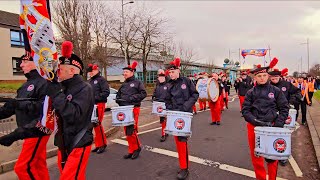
<point x="303" y="86"/>
<point x="182" y="95"/>
<point x="194" y="107"/>
<point x="260" y="108"/>
<point x="101" y="92"/>
<point x="215" y="107"/>
<point x="159" y="94"/>
<point x="202" y="103"/>
<point x="291" y="92"/>
<point x="73" y="102"/>
<point x="245" y="83"/>
<point x="31" y="163"/>
<point x="225" y="99"/>
<point x="131" y="92"/>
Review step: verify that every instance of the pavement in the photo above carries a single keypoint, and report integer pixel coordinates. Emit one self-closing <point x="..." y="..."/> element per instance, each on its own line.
<point x="313" y="119"/>
<point x="216" y="152"/>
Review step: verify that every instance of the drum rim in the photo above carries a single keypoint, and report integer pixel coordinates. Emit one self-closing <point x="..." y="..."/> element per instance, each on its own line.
<point x="122" y="107"/>
<point x="180" y="112"/>
<point x="216" y="98"/>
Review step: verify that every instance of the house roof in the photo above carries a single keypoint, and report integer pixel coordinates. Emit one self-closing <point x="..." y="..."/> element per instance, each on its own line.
<point x="9" y="19"/>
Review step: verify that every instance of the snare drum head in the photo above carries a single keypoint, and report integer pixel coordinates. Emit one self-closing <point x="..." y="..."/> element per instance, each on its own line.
<point x="213" y="90"/>
<point x="202" y="88"/>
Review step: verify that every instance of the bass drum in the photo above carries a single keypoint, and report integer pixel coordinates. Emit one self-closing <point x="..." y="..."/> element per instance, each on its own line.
<point x="213" y="90"/>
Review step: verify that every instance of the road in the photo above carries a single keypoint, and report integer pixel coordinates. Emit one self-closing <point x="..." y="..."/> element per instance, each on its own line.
<point x="216" y="152"/>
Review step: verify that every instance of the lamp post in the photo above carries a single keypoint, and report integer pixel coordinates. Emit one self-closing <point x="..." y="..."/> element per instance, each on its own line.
<point x="123" y="30"/>
<point x="307" y="43"/>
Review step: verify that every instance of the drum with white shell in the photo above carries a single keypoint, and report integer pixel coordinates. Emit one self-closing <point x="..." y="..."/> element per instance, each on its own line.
<point x="178" y="123"/>
<point x="122" y="115"/>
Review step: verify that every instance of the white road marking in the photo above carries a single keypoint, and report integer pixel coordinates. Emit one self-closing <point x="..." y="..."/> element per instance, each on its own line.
<point x="149" y="124"/>
<point x="143" y="132"/>
<point x="206" y="162"/>
<point x="295" y="167"/>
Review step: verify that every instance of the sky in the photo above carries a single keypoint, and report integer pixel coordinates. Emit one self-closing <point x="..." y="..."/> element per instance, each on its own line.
<point x="212" y="28"/>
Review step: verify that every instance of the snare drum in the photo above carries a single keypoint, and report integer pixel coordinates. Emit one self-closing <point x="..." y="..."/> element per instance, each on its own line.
<point x="292" y="116"/>
<point x="272" y="143"/>
<point x="122" y="115"/>
<point x="208" y="89"/>
<point x="158" y="108"/>
<point x="178" y="123"/>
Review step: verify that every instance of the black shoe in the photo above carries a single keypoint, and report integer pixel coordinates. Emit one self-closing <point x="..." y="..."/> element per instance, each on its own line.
<point x="127" y="156"/>
<point x="195" y="112"/>
<point x="183" y="174"/>
<point x="227" y="107"/>
<point x="95" y="149"/>
<point x="163" y="138"/>
<point x="283" y="162"/>
<point x="213" y="123"/>
<point x="101" y="149"/>
<point x="136" y="154"/>
<point x="218" y="123"/>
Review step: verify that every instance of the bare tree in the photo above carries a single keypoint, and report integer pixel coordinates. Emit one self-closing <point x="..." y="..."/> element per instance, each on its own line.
<point x="73" y="19"/>
<point x="211" y="66"/>
<point x="125" y="41"/>
<point x="151" y="35"/>
<point x="315" y="70"/>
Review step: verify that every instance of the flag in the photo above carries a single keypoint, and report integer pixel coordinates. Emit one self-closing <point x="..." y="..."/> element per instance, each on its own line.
<point x="254" y="52"/>
<point x="39" y="43"/>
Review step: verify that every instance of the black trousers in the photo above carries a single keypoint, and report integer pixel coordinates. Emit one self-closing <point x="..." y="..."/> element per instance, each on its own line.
<point x="304" y="110"/>
<point x="310" y="96"/>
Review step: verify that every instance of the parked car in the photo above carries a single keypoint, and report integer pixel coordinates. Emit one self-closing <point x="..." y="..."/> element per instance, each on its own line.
<point x="111" y="99"/>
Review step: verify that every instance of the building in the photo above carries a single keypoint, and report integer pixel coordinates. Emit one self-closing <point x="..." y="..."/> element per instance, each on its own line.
<point x="11" y="46"/>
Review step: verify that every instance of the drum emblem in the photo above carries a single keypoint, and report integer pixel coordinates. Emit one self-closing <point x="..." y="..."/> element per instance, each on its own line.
<point x="30" y="87"/>
<point x="121" y="116"/>
<point x="183" y="86"/>
<point x="271" y="95"/>
<point x="280" y="145"/>
<point x="179" y="124"/>
<point x="283" y="88"/>
<point x="289" y="119"/>
<point x="159" y="109"/>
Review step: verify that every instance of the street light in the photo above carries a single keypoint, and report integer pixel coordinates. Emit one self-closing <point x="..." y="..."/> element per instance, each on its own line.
<point x="122" y="29"/>
<point x="307" y="43"/>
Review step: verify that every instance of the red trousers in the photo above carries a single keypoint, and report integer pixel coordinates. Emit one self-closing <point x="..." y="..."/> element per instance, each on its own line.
<point x="75" y="167"/>
<point x="182" y="148"/>
<point x="194" y="108"/>
<point x="163" y="125"/>
<point x="221" y="102"/>
<point x="241" y="98"/>
<point x="100" y="138"/>
<point x="258" y="162"/>
<point x="215" y="110"/>
<point x="202" y="105"/>
<point x="32" y="162"/>
<point x="131" y="132"/>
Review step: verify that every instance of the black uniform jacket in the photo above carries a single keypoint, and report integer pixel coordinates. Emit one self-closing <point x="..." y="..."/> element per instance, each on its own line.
<point x="131" y="92"/>
<point x="182" y="95"/>
<point x="74" y="106"/>
<point x="100" y="87"/>
<point x="263" y="103"/>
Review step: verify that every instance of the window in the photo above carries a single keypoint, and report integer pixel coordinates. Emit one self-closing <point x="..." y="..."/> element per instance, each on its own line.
<point x="151" y="76"/>
<point x="16" y="38"/>
<point x="16" y="65"/>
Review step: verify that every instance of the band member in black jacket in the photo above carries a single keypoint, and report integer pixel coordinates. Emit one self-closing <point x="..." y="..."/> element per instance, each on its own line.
<point x="260" y="108"/>
<point x="101" y="92"/>
<point x="182" y="95"/>
<point x="132" y="92"/>
<point x="73" y="102"/>
<point x="245" y="83"/>
<point x="28" y="114"/>
<point x="159" y="94"/>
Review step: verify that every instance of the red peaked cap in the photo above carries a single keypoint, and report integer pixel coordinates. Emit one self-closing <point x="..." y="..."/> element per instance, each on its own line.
<point x="92" y="67"/>
<point x="131" y="67"/>
<point x="284" y="72"/>
<point x="265" y="69"/>
<point x="175" y="64"/>
<point x="68" y="58"/>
